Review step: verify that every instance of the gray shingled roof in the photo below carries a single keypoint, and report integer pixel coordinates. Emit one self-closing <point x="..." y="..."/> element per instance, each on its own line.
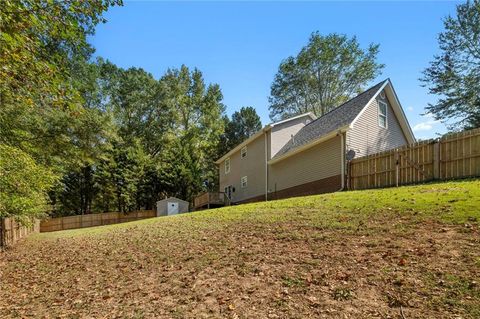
<point x="331" y="121"/>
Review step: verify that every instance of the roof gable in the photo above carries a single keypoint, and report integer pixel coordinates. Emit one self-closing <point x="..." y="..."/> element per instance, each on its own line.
<point x="336" y="119"/>
<point x="260" y="133"/>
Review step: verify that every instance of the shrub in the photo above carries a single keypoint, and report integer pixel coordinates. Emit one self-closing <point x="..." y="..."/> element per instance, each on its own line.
<point x="23" y="185"/>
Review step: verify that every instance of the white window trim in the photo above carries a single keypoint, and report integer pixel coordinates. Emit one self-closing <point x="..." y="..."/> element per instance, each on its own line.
<point x="243" y="151"/>
<point x="379" y="114"/>
<point x="225" y="165"/>
<point x="242" y="180"/>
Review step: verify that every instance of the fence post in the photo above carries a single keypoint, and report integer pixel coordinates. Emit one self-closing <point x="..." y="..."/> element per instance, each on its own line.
<point x="436" y="160"/>
<point x="397" y="168"/>
<point x="349" y="164"/>
<point x="2" y="232"/>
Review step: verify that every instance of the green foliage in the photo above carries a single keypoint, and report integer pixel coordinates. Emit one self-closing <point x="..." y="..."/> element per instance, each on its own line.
<point x="116" y="139"/>
<point x="454" y="74"/>
<point x="118" y="177"/>
<point x="39" y="39"/>
<point x="23" y="185"/>
<point x="45" y="83"/>
<point x="152" y="139"/>
<point x="244" y="124"/>
<point x="197" y="112"/>
<point x="327" y="72"/>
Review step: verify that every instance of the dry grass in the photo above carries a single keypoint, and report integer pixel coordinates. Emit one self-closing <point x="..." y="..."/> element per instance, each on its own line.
<point x="366" y="254"/>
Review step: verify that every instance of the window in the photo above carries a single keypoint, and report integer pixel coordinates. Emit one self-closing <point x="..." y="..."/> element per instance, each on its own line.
<point x="243" y="152"/>
<point x="382" y="114"/>
<point x="243" y="181"/>
<point x="227" y="166"/>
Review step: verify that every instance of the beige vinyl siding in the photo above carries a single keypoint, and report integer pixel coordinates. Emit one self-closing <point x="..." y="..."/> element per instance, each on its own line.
<point x="368" y="137"/>
<point x="252" y="166"/>
<point x="282" y="133"/>
<point x="318" y="162"/>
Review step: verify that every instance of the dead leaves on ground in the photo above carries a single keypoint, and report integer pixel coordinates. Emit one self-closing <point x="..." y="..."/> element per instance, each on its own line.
<point x="279" y="270"/>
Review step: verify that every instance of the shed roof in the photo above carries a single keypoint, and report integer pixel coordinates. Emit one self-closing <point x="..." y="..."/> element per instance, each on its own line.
<point x="172" y="199"/>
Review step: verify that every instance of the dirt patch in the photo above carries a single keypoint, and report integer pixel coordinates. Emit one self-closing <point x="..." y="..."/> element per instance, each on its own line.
<point x="245" y="270"/>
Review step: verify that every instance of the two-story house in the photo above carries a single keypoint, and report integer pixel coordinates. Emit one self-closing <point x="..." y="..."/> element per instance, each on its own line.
<point x="305" y="155"/>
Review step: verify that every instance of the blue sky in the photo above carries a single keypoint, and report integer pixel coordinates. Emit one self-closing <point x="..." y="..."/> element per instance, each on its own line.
<point x="239" y="45"/>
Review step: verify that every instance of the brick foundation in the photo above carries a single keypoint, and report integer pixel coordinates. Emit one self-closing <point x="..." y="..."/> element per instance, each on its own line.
<point x="325" y="185"/>
<point x="259" y="198"/>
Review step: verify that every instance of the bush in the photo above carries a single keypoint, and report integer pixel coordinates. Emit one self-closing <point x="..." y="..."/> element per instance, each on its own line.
<point x="23" y="185"/>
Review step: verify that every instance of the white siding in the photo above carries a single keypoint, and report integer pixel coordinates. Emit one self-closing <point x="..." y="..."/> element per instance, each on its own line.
<point x="252" y="166"/>
<point x="367" y="137"/>
<point x="282" y="133"/>
<point x="316" y="163"/>
<point x="162" y="209"/>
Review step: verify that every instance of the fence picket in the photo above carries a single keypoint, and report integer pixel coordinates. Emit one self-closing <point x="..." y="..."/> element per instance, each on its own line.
<point x="89" y="220"/>
<point x="452" y="156"/>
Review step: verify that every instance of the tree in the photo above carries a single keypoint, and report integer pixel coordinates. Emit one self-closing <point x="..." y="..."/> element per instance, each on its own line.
<point x="197" y="111"/>
<point x="23" y="185"/>
<point x="143" y="116"/>
<point x="244" y="124"/>
<point x="90" y="134"/>
<point x="454" y="74"/>
<point x="118" y="177"/>
<point x="327" y="72"/>
<point x="40" y="43"/>
<point x="43" y="115"/>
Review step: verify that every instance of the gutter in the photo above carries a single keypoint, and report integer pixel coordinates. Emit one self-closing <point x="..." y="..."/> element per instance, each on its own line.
<point x="266" y="165"/>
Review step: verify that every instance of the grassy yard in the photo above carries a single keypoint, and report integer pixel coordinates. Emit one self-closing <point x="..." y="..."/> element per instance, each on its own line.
<point x="409" y="252"/>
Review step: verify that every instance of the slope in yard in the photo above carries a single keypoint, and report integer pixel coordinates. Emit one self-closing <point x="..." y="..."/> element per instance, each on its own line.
<point x="411" y="252"/>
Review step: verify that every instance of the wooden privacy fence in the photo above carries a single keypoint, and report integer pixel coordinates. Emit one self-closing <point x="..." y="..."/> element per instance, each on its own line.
<point x="90" y="220"/>
<point x="451" y="156"/>
<point x="12" y="231"/>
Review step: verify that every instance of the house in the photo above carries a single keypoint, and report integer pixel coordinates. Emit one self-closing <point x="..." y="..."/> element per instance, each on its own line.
<point x="172" y="206"/>
<point x="305" y="155"/>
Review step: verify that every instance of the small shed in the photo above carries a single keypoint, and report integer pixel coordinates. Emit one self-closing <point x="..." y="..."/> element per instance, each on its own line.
<point x="172" y="206"/>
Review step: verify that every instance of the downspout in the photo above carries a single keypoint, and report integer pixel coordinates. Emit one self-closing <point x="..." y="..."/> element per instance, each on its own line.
<point x="342" y="157"/>
<point x="266" y="166"/>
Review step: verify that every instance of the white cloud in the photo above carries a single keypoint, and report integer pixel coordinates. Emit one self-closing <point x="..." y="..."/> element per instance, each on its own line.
<point x="410" y="109"/>
<point x="423" y="126"/>
<point x="427" y="125"/>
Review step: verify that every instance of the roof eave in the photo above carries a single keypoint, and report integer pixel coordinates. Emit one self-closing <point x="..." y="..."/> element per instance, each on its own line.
<point x="405" y="125"/>
<point x="369" y="102"/>
<point x="247" y="141"/>
<point x="403" y="121"/>
<point x="310" y="145"/>
<point x="312" y="116"/>
<point x="261" y="132"/>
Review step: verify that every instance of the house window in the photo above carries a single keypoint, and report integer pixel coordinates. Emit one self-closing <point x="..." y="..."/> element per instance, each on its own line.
<point x="243" y="181"/>
<point x="382" y="114"/>
<point x="227" y="166"/>
<point x="243" y="152"/>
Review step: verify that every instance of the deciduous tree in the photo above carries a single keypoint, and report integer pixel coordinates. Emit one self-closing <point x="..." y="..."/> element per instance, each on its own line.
<point x="328" y="71"/>
<point x="454" y="74"/>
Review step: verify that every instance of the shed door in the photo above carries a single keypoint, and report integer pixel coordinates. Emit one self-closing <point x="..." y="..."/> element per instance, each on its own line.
<point x="172" y="208"/>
